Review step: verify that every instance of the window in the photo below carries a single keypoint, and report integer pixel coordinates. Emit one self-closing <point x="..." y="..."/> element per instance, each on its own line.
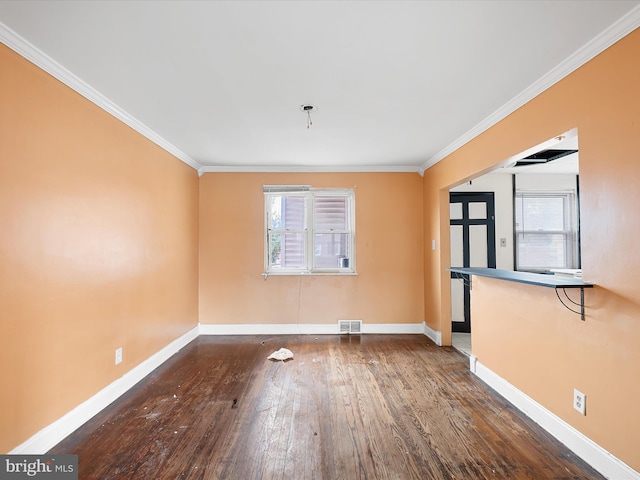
<point x="546" y="231"/>
<point x="309" y="230"/>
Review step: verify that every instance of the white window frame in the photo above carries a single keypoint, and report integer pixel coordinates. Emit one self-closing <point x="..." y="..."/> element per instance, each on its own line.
<point x="309" y="194"/>
<point x="569" y="232"/>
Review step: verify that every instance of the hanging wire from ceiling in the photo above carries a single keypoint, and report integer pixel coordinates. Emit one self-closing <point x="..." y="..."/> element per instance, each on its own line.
<point x="307" y="107"/>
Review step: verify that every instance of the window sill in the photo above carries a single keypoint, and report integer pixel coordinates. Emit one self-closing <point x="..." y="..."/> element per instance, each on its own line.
<point x="265" y="275"/>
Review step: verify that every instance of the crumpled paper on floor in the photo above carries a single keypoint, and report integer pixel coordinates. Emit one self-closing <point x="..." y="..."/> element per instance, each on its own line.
<point x="282" y="355"/>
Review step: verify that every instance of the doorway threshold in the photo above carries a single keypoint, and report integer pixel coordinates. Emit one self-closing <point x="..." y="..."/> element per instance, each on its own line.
<point x="461" y="342"/>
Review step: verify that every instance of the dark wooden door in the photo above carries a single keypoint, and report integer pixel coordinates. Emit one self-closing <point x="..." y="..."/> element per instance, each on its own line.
<point x="473" y="244"/>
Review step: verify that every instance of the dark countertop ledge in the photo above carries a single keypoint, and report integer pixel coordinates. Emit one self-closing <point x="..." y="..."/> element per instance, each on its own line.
<point x="540" y="279"/>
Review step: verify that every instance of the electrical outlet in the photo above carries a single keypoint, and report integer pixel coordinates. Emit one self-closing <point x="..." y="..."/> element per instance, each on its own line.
<point x="118" y="355"/>
<point x="579" y="401"/>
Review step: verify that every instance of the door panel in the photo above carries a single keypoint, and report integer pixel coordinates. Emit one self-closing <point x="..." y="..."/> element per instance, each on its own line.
<point x="457" y="246"/>
<point x="473" y="244"/>
<point x="457" y="301"/>
<point x="457" y="260"/>
<point x="478" y="250"/>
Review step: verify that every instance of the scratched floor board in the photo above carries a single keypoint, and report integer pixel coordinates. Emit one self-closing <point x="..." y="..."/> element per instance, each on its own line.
<point x="346" y="407"/>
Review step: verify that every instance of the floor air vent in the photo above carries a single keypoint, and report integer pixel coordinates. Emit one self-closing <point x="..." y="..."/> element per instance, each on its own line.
<point x="350" y="326"/>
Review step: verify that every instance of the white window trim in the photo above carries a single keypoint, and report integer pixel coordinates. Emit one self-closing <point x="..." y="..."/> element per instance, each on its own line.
<point x="309" y="194"/>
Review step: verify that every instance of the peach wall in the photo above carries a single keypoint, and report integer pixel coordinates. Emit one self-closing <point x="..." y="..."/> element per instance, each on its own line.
<point x="98" y="248"/>
<point x="389" y="284"/>
<point x="521" y="332"/>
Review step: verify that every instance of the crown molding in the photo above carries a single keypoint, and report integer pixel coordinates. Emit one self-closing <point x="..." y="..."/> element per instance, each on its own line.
<point x="306" y="169"/>
<point x="595" y="46"/>
<point x="36" y="56"/>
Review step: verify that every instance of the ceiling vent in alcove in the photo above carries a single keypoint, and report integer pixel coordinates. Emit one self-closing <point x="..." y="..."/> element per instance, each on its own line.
<point x="545" y="156"/>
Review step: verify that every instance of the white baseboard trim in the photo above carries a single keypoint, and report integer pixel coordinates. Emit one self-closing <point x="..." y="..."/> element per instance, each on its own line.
<point x="473" y="362"/>
<point x="54" y="433"/>
<point x="592" y="453"/>
<point x="306" y="329"/>
<point x="432" y="334"/>
<point x="392" y="328"/>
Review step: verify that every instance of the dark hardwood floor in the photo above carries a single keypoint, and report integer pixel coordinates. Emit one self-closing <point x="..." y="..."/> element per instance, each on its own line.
<point x="346" y="407"/>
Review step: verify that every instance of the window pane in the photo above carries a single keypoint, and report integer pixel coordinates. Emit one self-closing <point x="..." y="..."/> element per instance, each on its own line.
<point x="331" y="213"/>
<point x="478" y="255"/>
<point x="542" y="250"/>
<point x="286" y="250"/>
<point x="477" y="210"/>
<point x="331" y="250"/>
<point x="286" y="212"/>
<point x="455" y="211"/>
<point x="543" y="213"/>
<point x="457" y="300"/>
<point x="457" y="245"/>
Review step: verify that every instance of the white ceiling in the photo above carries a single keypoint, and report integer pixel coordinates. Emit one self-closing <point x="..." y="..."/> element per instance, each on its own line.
<point x="397" y="84"/>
